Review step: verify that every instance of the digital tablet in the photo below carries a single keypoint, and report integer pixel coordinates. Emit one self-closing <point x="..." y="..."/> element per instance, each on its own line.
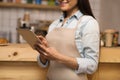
<point x="29" y="36"/>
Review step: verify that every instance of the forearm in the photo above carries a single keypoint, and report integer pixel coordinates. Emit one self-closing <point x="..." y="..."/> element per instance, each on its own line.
<point x="68" y="61"/>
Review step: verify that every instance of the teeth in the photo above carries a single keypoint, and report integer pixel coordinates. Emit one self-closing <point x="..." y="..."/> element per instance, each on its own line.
<point x="65" y="1"/>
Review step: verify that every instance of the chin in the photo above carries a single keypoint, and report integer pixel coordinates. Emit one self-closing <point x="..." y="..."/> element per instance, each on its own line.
<point x="64" y="9"/>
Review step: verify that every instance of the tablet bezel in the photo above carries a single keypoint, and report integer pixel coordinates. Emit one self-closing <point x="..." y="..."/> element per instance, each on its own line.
<point x="29" y="36"/>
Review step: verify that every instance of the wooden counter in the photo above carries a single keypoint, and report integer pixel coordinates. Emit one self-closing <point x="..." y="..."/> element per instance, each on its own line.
<point x="18" y="62"/>
<point x="17" y="52"/>
<point x="110" y="55"/>
<point x="109" y="64"/>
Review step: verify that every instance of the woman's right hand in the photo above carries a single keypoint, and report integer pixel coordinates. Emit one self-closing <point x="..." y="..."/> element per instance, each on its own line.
<point x="44" y="42"/>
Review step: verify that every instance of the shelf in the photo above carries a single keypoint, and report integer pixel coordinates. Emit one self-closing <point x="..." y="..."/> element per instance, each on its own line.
<point x="44" y="28"/>
<point x="29" y="6"/>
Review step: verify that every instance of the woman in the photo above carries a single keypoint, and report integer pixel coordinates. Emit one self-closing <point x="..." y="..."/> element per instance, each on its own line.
<point x="71" y="46"/>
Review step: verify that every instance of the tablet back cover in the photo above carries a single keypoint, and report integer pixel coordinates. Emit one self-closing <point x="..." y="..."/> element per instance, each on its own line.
<point x="29" y="36"/>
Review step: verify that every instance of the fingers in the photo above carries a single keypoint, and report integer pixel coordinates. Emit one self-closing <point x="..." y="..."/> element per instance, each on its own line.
<point x="40" y="37"/>
<point x="43" y="40"/>
<point x="40" y="50"/>
<point x="43" y="48"/>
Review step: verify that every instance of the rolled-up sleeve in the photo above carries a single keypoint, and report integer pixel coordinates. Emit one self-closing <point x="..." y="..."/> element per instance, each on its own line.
<point x="89" y="48"/>
<point x="40" y="63"/>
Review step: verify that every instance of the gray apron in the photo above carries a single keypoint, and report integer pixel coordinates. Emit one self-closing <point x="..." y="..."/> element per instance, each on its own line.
<point x="63" y="39"/>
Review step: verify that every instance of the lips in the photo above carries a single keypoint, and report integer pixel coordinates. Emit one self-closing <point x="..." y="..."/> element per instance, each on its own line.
<point x="63" y="3"/>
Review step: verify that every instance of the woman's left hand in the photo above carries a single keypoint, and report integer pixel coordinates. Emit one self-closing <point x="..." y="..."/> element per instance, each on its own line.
<point x="50" y="52"/>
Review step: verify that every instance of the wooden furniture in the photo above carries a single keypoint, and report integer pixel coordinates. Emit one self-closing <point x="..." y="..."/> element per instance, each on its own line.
<point x="18" y="62"/>
<point x="29" y="6"/>
<point x="109" y="66"/>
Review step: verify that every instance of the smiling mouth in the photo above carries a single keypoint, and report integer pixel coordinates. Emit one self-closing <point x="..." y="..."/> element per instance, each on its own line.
<point x="63" y="3"/>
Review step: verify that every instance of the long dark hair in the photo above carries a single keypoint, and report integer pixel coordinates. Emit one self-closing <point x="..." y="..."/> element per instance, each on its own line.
<point x="84" y="7"/>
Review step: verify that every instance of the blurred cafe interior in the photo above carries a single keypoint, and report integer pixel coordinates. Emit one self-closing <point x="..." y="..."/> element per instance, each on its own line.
<point x="18" y="61"/>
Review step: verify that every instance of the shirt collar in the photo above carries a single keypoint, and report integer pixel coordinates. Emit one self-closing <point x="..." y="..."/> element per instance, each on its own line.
<point x="77" y="15"/>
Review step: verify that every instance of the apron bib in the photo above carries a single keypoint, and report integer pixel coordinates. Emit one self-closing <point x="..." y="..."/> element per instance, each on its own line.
<point x="63" y="39"/>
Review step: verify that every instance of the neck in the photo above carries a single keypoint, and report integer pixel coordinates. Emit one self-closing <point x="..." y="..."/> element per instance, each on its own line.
<point x="71" y="12"/>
